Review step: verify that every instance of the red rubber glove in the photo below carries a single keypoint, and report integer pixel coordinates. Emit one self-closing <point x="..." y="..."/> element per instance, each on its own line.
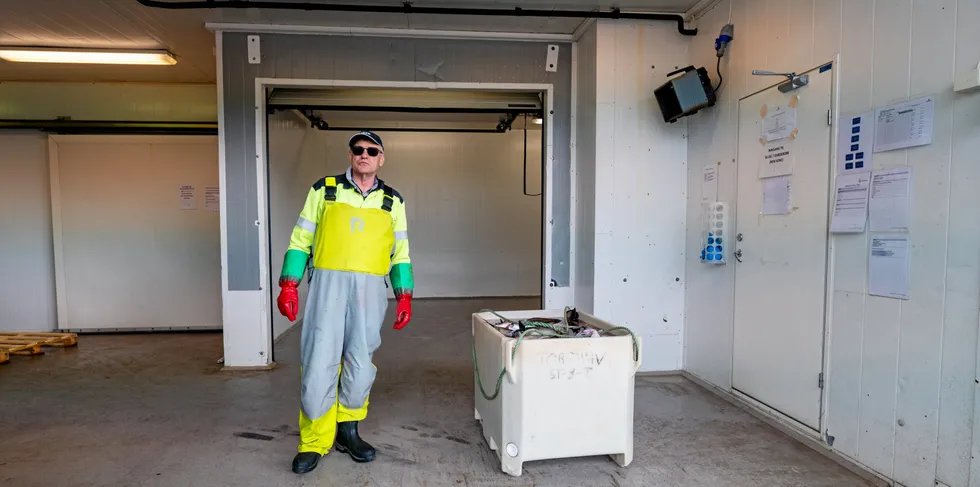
<point x="404" y="312"/>
<point x="288" y="301"/>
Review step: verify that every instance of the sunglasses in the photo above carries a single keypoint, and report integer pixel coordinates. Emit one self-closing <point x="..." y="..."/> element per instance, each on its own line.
<point x="358" y="150"/>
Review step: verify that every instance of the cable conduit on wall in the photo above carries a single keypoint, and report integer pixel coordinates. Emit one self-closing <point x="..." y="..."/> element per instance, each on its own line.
<point x="407" y="8"/>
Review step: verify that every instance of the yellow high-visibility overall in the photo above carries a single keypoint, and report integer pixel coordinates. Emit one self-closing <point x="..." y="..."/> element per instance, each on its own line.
<point x="355" y="239"/>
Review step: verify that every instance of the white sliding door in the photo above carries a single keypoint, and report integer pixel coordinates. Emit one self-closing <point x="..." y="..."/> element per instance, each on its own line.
<point x="137" y="242"/>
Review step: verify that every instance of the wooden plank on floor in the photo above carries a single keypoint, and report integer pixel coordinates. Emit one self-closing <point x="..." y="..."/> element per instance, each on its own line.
<point x="31" y="343"/>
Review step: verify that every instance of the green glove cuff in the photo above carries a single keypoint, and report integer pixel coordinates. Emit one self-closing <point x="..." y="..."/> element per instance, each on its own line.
<point x="402" y="280"/>
<point x="294" y="265"/>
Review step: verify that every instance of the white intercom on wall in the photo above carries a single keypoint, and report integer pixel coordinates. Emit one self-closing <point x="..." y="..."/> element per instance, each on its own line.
<point x="715" y="235"/>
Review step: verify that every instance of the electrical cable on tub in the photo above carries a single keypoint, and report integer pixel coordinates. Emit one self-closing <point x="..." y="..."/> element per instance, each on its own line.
<point x="542" y="329"/>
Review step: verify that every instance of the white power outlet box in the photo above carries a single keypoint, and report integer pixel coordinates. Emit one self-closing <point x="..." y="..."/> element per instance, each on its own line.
<point x="969" y="81"/>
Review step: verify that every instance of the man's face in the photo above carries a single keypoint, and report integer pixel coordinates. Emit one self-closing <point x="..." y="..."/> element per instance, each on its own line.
<point x="361" y="160"/>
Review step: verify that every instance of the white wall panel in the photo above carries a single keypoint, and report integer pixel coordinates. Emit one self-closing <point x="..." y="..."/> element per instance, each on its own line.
<point x="961" y="319"/>
<point x="800" y="21"/>
<point x="296" y="158"/>
<point x="847" y="341"/>
<point x="879" y="385"/>
<point x="883" y="343"/>
<point x="921" y="350"/>
<point x="753" y="27"/>
<point x="27" y="299"/>
<point x="109" y="101"/>
<point x="777" y="37"/>
<point x="844" y="380"/>
<point x="900" y="383"/>
<point x="827" y="35"/>
<point x="708" y="293"/>
<point x="641" y="190"/>
<point x="472" y="230"/>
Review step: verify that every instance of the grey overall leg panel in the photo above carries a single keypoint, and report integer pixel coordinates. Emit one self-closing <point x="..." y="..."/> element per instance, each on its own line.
<point x="322" y="340"/>
<point x="365" y="316"/>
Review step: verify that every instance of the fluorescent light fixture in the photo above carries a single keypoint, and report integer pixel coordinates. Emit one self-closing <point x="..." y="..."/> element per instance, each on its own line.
<point x="85" y="56"/>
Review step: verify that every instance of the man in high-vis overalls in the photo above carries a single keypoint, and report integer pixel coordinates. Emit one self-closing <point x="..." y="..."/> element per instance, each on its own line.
<point x="353" y="228"/>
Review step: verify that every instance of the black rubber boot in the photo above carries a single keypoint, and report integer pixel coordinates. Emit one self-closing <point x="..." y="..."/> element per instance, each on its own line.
<point x="349" y="442"/>
<point x="305" y="461"/>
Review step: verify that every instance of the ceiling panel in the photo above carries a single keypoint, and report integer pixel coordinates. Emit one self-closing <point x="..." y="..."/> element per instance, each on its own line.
<point x="127" y="24"/>
<point x="107" y="24"/>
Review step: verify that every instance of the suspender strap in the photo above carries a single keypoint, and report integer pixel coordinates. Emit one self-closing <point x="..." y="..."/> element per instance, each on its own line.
<point x="330" y="193"/>
<point x="388" y="200"/>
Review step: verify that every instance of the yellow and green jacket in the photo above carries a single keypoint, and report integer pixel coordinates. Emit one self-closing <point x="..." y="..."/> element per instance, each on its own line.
<point x="341" y="194"/>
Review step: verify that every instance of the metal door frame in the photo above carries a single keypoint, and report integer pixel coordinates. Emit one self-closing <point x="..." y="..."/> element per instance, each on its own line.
<point x="261" y="162"/>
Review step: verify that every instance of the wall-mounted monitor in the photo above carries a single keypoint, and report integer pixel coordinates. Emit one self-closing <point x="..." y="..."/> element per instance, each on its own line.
<point x="686" y="94"/>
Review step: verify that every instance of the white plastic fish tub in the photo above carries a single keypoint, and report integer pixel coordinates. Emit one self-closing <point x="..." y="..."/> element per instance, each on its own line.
<point x="560" y="397"/>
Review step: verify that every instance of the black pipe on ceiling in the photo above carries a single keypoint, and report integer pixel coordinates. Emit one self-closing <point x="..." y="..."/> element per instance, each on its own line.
<point x="115" y="127"/>
<point x="408" y="8"/>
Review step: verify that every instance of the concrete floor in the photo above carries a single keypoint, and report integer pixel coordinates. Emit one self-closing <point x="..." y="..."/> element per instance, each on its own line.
<point x="157" y="410"/>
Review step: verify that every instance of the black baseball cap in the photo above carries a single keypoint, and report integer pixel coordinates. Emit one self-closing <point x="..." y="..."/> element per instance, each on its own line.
<point x="365" y="135"/>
